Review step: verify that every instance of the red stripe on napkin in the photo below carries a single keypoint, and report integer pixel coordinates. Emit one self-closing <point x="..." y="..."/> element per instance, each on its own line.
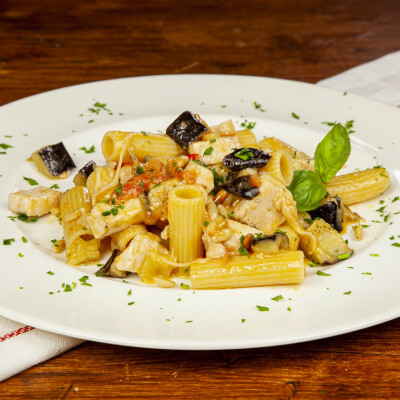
<point x="18" y="332"/>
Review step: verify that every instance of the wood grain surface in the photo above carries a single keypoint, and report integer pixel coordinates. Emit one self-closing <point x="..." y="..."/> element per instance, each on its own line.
<point x="50" y="44"/>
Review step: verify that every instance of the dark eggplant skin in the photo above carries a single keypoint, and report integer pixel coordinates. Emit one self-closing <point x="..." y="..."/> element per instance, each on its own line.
<point x="82" y="175"/>
<point x="255" y="159"/>
<point x="331" y="212"/>
<point x="56" y="158"/>
<point x="186" y="129"/>
<point x="104" y="270"/>
<point x="242" y="187"/>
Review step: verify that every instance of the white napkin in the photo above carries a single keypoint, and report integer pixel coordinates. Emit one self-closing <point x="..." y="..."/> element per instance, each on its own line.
<point x="22" y="346"/>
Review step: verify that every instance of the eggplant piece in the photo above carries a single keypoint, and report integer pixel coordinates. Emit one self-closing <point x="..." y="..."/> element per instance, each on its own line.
<point x="108" y="268"/>
<point x="246" y="157"/>
<point x="82" y="175"/>
<point x="331" y="212"/>
<point x="271" y="243"/>
<point x="244" y="186"/>
<point x="186" y="129"/>
<point x="53" y="161"/>
<point x="330" y="245"/>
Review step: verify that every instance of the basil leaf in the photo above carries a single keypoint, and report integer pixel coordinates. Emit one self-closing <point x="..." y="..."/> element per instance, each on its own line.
<point x="332" y="152"/>
<point x="307" y="190"/>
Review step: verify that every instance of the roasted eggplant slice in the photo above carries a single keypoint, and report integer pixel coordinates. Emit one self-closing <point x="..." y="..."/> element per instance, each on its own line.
<point x="186" y="129"/>
<point x="109" y="270"/>
<point x="82" y="175"/>
<point x="246" y="157"/>
<point x="53" y="161"/>
<point x="331" y="212"/>
<point x="271" y="243"/>
<point x="244" y="186"/>
<point x="330" y="245"/>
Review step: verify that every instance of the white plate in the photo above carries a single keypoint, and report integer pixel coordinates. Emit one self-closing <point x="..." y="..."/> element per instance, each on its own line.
<point x="159" y="318"/>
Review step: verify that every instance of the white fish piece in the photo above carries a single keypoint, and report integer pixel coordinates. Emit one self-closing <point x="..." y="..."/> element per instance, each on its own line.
<point x="132" y="258"/>
<point x="203" y="176"/>
<point x="34" y="202"/>
<point x="239" y="230"/>
<point x="220" y="148"/>
<point x="130" y="213"/>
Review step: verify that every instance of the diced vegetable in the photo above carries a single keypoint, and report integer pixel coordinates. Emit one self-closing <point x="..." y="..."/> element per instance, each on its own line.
<point x="331" y="212"/>
<point x="82" y="175"/>
<point x="271" y="243"/>
<point x="53" y="161"/>
<point x="244" y="186"/>
<point x="186" y="129"/>
<point x="245" y="158"/>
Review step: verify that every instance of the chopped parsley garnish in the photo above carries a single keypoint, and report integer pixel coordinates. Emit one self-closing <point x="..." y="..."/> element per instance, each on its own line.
<point x="208" y="151"/>
<point x="395" y="199"/>
<point x="113" y="211"/>
<point x="31" y="181"/>
<point x="129" y="293"/>
<point x="258" y="106"/>
<point x="141" y="184"/>
<point x="374" y="255"/>
<point x="88" y="151"/>
<point x="396" y="244"/>
<point x="25" y="218"/>
<point x="349" y="292"/>
<point x="295" y="116"/>
<point x="20" y="255"/>
<point x="343" y="256"/>
<point x="139" y="169"/>
<point x="24" y="239"/>
<point x="67" y="288"/>
<point x="218" y="179"/>
<point x="8" y="242"/>
<point x="248" y="124"/>
<point x="212" y="140"/>
<point x="5" y="146"/>
<point x="242" y="250"/>
<point x="244" y="154"/>
<point x="366" y="273"/>
<point x="184" y="286"/>
<point x="130" y="303"/>
<point x="50" y="273"/>
<point x="277" y="298"/>
<point x="365" y="226"/>
<point x="289" y="309"/>
<point x="231" y="214"/>
<point x="53" y="240"/>
<point x="243" y="320"/>
<point x="320" y="273"/>
<point x="262" y="308"/>
<point x="118" y="190"/>
<point x="206" y="223"/>
<point x="188" y="322"/>
<point x="348" y="126"/>
<point x="144" y="133"/>
<point x="55" y="186"/>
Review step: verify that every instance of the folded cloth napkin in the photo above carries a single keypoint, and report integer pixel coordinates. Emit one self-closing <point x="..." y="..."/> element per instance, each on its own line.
<point x="22" y="346"/>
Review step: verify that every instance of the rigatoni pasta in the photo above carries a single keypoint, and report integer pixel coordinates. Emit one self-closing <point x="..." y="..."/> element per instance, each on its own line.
<point x="212" y="205"/>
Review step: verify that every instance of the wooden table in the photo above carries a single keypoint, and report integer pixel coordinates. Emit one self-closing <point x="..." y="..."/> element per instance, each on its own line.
<point x="46" y="45"/>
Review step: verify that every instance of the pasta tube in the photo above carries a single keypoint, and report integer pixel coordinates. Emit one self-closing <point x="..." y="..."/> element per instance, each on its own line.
<point x="280" y="167"/>
<point x="80" y="243"/>
<point x="141" y="144"/>
<point x="359" y="186"/>
<point x="274" y="144"/>
<point x="186" y="209"/>
<point x="282" y="268"/>
<point x="247" y="138"/>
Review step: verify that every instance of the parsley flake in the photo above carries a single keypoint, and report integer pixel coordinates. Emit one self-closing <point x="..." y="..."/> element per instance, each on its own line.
<point x="8" y="242"/>
<point x="208" y="151"/>
<point x="295" y="116"/>
<point x="31" y="181"/>
<point x="277" y="298"/>
<point x="88" y="151"/>
<point x="320" y="273"/>
<point x="184" y="286"/>
<point x="262" y="308"/>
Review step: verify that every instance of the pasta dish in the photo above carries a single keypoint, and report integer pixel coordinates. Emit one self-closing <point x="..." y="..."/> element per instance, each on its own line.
<point x="206" y="203"/>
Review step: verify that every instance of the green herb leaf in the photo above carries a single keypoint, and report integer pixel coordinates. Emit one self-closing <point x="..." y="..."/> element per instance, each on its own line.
<point x="139" y="169"/>
<point x="396" y="244"/>
<point x="343" y="256"/>
<point x="24" y="239"/>
<point x="5" y="146"/>
<point x="25" y="218"/>
<point x="295" y="116"/>
<point x="50" y="273"/>
<point x="8" y="242"/>
<point x="307" y="190"/>
<point x="184" y="286"/>
<point x="262" y="308"/>
<point x="332" y="152"/>
<point x="349" y="292"/>
<point x="277" y="298"/>
<point x="208" y="151"/>
<point x="88" y="151"/>
<point x="244" y="154"/>
<point x="118" y="190"/>
<point x="55" y="186"/>
<point x="31" y="181"/>
<point x="320" y="273"/>
<point x="242" y="250"/>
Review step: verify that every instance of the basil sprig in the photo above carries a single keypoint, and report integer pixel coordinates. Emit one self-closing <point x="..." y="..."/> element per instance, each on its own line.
<point x="307" y="190"/>
<point x="332" y="152"/>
